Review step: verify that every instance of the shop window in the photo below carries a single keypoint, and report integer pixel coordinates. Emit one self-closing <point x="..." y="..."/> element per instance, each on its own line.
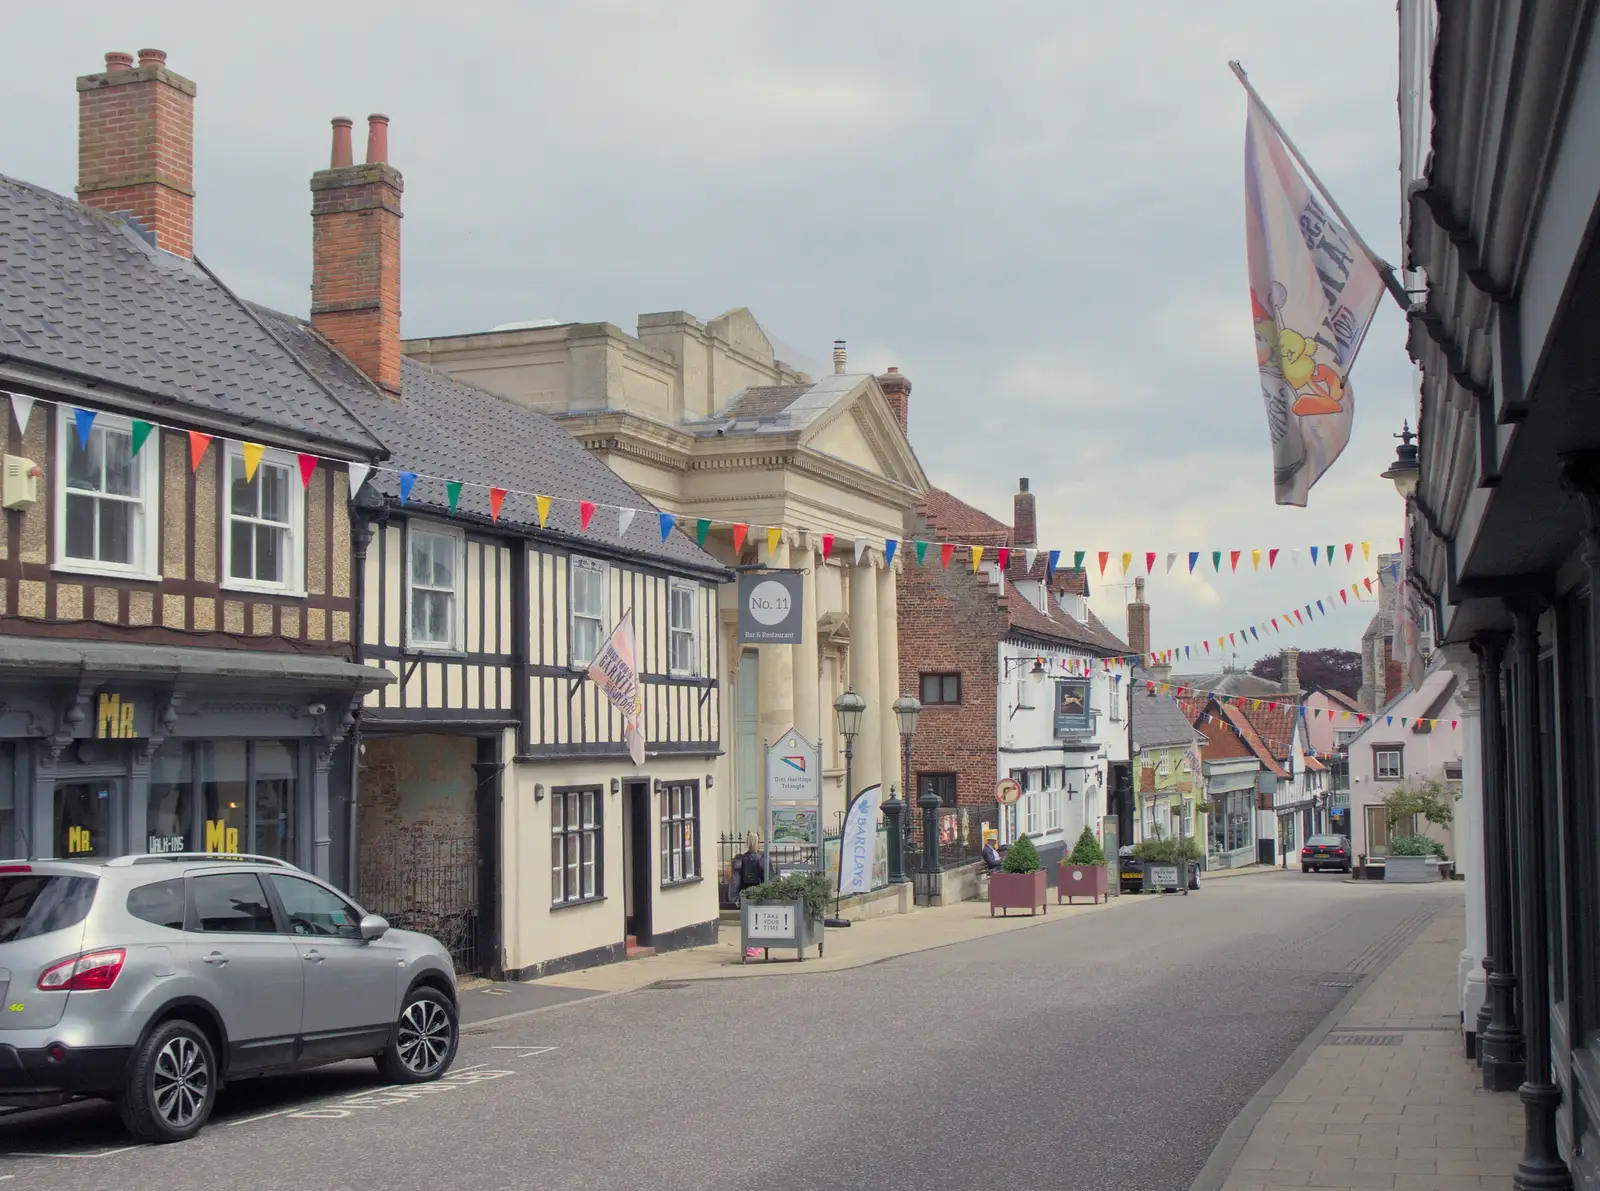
<point x="680" y="832"/>
<point x="433" y="587"/>
<point x="312" y="910"/>
<point x="575" y="846"/>
<point x="263" y="529"/>
<point x="587" y="596"/>
<point x="1388" y="763"/>
<point x="106" y="495"/>
<point x="230" y="903"/>
<point x="941" y="784"/>
<point x="83" y="818"/>
<point x="683" y="653"/>
<point x="941" y="688"/>
<point x="1377" y="824"/>
<point x="169" y="813"/>
<point x="247" y="795"/>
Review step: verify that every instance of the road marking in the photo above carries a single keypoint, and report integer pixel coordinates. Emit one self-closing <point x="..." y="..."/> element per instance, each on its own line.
<point x="399" y="1094"/>
<point x="527" y="1053"/>
<point x="283" y="1112"/>
<point x="48" y="1154"/>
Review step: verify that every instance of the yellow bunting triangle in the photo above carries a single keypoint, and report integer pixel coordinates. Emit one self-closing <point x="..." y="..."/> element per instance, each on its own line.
<point x="977" y="553"/>
<point x="1366" y="550"/>
<point x="1127" y="557"/>
<point x="544" y="509"/>
<point x="774" y="534"/>
<point x="252" y="452"/>
<point x="1255" y="559"/>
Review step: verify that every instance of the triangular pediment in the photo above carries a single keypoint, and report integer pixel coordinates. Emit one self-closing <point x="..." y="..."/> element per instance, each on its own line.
<point x="860" y="429"/>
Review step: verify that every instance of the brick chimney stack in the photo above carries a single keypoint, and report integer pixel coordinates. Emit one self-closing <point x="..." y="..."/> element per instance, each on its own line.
<point x="1139" y="622"/>
<point x="136" y="146"/>
<point x="1291" y="672"/>
<point x="1024" y="522"/>
<point x="897" y="389"/>
<point x="355" y="253"/>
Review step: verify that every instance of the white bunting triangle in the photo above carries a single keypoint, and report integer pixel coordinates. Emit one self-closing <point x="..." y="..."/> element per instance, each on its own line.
<point x="1294" y="556"/>
<point x="358" y="476"/>
<point x="1028" y="555"/>
<point x="624" y="519"/>
<point x="861" y="548"/>
<point x="1171" y="558"/>
<point x="22" y="410"/>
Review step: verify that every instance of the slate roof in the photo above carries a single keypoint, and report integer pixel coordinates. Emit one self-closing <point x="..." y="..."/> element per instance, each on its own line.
<point x="445" y="429"/>
<point x="82" y="292"/>
<point x="1158" y="719"/>
<point x="1232" y="682"/>
<point x="1056" y="625"/>
<point x="777" y="409"/>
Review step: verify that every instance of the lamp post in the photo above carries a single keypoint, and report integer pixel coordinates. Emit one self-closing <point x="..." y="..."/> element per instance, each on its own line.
<point x="848" y="709"/>
<point x="906" y="710"/>
<point x="1404" y="472"/>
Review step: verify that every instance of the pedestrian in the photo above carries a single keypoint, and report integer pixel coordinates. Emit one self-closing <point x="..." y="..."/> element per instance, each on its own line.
<point x="749" y="870"/>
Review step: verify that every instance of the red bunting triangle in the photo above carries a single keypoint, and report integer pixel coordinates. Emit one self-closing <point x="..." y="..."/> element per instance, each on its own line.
<point x="308" y="464"/>
<point x="1344" y="596"/>
<point x="585" y="511"/>
<point x="1272" y="557"/>
<point x="1369" y="584"/>
<point x="1003" y="556"/>
<point x="1349" y="549"/>
<point x="1104" y="554"/>
<point x="1149" y="561"/>
<point x="1298" y="619"/>
<point x="945" y="553"/>
<point x="1452" y="725"/>
<point x="197" y="448"/>
<point x="740" y="529"/>
<point x="497" y="497"/>
<point x="827" y="546"/>
<point x="1233" y="559"/>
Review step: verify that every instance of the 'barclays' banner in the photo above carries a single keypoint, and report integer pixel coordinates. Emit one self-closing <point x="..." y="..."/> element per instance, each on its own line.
<point x="859" y="846"/>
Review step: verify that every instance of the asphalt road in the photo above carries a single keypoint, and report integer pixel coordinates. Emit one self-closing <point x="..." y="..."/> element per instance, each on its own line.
<point x="1109" y="1050"/>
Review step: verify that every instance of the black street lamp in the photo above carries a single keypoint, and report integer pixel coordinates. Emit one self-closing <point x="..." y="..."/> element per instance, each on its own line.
<point x="906" y="710"/>
<point x="848" y="708"/>
<point x="1405" y="472"/>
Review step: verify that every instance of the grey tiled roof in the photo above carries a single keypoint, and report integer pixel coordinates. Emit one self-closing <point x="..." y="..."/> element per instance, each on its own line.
<point x="82" y="292"/>
<point x="444" y="429"/>
<point x="1157" y="718"/>
<point x="777" y="409"/>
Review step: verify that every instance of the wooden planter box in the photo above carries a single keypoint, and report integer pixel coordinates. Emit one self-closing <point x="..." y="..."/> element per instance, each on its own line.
<point x="777" y="924"/>
<point x="1410" y="870"/>
<point x="1017" y="891"/>
<point x="1080" y="880"/>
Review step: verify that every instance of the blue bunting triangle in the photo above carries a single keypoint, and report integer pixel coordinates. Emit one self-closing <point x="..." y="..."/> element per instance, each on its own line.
<point x="667" y="522"/>
<point x="408" y="480"/>
<point x="85" y="422"/>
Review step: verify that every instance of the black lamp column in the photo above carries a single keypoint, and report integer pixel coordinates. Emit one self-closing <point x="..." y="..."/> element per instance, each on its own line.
<point x="1499" y="1035"/>
<point x="848" y="709"/>
<point x="906" y="710"/>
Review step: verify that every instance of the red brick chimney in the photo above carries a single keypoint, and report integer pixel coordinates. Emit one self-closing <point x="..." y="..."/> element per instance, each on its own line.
<point x="355" y="253"/>
<point x="1024" y="522"/>
<point x="897" y="389"/>
<point x="136" y="146"/>
<point x="1139" y="621"/>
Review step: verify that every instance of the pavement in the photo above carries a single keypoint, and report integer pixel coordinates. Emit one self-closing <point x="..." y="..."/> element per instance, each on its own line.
<point x="1108" y="1047"/>
<point x="1381" y="1095"/>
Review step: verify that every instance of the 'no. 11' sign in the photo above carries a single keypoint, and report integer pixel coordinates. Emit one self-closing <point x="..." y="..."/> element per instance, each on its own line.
<point x="770" y="607"/>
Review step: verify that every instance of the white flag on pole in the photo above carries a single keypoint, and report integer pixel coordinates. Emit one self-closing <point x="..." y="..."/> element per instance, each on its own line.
<point x="1312" y="295"/>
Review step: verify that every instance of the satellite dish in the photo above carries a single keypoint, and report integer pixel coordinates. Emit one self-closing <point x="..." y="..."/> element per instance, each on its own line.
<point x="527" y="324"/>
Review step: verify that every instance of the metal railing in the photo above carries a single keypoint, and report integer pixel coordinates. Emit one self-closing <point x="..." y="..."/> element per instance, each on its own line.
<point x="428" y="885"/>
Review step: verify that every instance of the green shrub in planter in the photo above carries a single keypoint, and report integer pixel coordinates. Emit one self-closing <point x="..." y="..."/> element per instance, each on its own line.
<point x="811" y="888"/>
<point x="1021" y="857"/>
<point x="1414" y="845"/>
<point x="1087" y="850"/>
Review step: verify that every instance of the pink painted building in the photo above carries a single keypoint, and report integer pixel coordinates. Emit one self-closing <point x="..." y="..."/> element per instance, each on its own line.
<point x="1410" y="739"/>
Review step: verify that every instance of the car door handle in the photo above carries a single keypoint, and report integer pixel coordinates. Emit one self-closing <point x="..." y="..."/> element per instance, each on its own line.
<point x="313" y="956"/>
<point x="214" y="957"/>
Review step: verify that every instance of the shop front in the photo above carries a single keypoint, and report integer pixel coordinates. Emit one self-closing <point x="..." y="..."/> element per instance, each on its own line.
<point x="109" y="749"/>
<point x="1231" y="794"/>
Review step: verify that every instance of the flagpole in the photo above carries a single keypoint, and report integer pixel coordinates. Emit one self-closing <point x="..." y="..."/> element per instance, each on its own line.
<point x="1384" y="268"/>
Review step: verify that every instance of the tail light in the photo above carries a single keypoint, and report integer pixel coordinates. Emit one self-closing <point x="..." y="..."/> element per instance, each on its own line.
<point x="84" y="973"/>
<point x="1305" y="851"/>
<point x="1338" y="851"/>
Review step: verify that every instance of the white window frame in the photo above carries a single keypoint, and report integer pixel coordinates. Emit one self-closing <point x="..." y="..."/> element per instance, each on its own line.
<point x="576" y="563"/>
<point x="1052" y="804"/>
<point x="458" y="617"/>
<point x="1114" y="698"/>
<point x="1377" y="764"/>
<point x="674" y="633"/>
<point x="147" y="532"/>
<point x="293" y="582"/>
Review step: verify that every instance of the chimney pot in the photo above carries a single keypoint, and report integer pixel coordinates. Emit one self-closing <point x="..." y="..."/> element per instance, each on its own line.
<point x="1022" y="484"/>
<point x="897" y="392"/>
<point x="342" y="155"/>
<point x="152" y="58"/>
<point x="117" y="60"/>
<point x="377" y="138"/>
<point x="839" y="357"/>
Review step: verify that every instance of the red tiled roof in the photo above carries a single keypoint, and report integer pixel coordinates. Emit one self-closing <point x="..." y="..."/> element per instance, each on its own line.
<point x="1025" y="617"/>
<point x="955" y="518"/>
<point x="1252" y="739"/>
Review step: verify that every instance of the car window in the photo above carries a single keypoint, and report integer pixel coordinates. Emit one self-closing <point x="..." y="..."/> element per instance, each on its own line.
<point x="36" y="904"/>
<point x="313" y="910"/>
<point x="1326" y="841"/>
<point x="229" y="903"/>
<point x="160" y="903"/>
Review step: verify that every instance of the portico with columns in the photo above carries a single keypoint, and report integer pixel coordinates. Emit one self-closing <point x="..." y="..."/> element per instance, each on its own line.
<point x="705" y="420"/>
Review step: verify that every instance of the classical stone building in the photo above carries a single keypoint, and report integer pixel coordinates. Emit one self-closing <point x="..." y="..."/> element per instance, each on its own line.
<point x="706" y="421"/>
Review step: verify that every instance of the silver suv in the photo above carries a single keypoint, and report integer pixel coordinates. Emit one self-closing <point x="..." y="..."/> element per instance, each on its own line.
<point x="150" y="980"/>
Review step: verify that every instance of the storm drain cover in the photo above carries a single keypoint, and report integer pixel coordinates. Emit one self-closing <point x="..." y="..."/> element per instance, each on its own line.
<point x="1363" y="1040"/>
<point x="670" y="984"/>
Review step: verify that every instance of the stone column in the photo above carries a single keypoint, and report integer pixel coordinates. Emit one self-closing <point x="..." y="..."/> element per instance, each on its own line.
<point x="808" y="711"/>
<point x="864" y="673"/>
<point x="1469" y="849"/>
<point x="889" y="682"/>
<point x="1499" y="1035"/>
<point x="776" y="676"/>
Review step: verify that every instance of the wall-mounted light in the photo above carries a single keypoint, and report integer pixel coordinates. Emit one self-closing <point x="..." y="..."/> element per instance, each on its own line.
<point x="708" y="781"/>
<point x="660" y="785"/>
<point x="616" y="785"/>
<point x="538" y="791"/>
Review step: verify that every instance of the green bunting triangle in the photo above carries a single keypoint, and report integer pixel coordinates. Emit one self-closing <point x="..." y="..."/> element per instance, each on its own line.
<point x="922" y="552"/>
<point x="452" y="489"/>
<point x="1216" y="560"/>
<point x="701" y="528"/>
<point x="1077" y="559"/>
<point x="141" y="431"/>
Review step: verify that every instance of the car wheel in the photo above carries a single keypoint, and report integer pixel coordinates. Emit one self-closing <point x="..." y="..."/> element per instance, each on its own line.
<point x="1305" y="868"/>
<point x="172" y="1084"/>
<point x="423" y="1044"/>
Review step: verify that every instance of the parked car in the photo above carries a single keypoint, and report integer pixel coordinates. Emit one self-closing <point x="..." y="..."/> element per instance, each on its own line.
<point x="1325" y="851"/>
<point x="150" y="981"/>
<point x="1130" y="870"/>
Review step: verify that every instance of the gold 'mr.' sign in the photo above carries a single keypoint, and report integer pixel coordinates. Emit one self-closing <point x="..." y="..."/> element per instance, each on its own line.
<point x="113" y="718"/>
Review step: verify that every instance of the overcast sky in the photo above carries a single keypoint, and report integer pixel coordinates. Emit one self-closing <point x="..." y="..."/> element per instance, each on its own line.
<point x="1033" y="207"/>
